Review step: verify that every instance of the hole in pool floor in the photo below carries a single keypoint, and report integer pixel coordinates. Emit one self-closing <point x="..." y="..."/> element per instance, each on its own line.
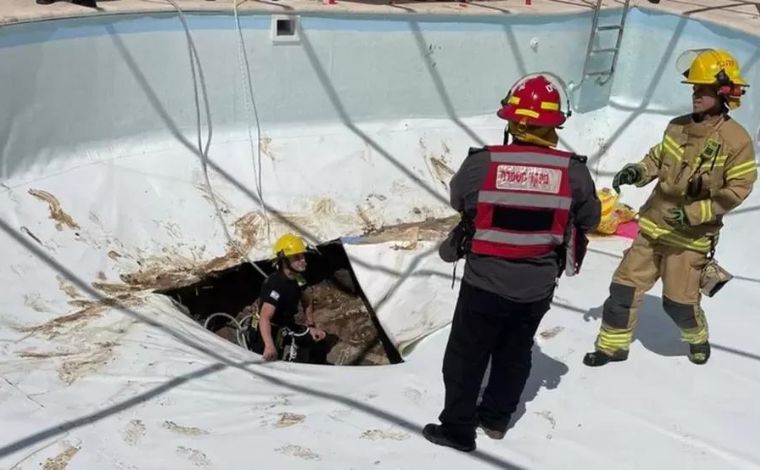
<point x="340" y="307"/>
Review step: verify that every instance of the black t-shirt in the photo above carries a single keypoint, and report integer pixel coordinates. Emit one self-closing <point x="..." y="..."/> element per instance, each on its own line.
<point x="285" y="294"/>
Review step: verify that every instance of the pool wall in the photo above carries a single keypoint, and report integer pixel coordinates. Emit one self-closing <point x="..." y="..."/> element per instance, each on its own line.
<point x="363" y="119"/>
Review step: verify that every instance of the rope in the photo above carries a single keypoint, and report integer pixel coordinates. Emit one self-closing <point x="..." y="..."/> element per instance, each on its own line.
<point x="245" y="69"/>
<point x="203" y="149"/>
<point x="239" y="330"/>
<point x="293" y="351"/>
<point x="253" y="114"/>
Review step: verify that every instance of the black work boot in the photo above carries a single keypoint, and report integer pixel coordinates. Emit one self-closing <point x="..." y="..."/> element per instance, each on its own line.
<point x="699" y="353"/>
<point x="436" y="434"/>
<point x="599" y="358"/>
<point x="85" y="3"/>
<point x="492" y="432"/>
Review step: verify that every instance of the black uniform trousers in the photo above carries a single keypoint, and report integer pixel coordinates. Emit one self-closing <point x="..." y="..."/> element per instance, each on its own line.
<point x="485" y="326"/>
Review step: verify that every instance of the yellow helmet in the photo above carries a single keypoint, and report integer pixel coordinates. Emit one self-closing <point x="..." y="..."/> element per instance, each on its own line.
<point x="289" y="245"/>
<point x="710" y="67"/>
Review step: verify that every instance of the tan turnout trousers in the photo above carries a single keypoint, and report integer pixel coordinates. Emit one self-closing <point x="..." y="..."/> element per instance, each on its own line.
<point x="643" y="264"/>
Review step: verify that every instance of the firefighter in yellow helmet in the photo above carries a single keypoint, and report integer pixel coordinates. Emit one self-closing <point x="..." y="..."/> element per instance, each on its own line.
<point x="704" y="167"/>
<point x="281" y="294"/>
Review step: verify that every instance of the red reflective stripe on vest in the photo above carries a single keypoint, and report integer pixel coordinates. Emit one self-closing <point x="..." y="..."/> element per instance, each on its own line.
<point x="525" y="178"/>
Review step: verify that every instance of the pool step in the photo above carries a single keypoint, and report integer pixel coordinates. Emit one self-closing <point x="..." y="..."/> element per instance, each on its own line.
<point x="601" y="51"/>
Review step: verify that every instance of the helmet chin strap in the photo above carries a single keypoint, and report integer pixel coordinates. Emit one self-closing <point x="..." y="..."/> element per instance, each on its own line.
<point x="730" y="97"/>
<point x="544" y="136"/>
<point x="730" y="94"/>
<point x="284" y="261"/>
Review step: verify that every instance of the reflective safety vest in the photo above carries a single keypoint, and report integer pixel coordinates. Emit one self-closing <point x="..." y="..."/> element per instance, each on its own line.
<point x="524" y="202"/>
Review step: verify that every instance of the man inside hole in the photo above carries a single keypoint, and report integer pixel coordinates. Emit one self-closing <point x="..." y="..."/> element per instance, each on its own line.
<point x="279" y="335"/>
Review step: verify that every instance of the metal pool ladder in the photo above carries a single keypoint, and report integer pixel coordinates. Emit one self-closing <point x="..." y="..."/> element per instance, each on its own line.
<point x="604" y="75"/>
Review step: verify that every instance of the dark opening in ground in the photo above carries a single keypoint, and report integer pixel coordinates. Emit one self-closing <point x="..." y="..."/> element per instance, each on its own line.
<point x="340" y="307"/>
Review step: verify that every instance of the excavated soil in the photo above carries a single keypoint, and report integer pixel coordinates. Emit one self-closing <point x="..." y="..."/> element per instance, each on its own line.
<point x="429" y="229"/>
<point x="346" y="317"/>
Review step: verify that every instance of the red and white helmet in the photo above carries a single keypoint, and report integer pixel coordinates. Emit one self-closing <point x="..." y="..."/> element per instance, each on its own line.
<point x="536" y="100"/>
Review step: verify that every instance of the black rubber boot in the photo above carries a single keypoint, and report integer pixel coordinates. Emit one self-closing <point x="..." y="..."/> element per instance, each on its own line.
<point x="436" y="434"/>
<point x="599" y="358"/>
<point x="699" y="353"/>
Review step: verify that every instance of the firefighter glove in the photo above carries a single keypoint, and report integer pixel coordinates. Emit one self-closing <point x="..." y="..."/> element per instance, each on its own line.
<point x="630" y="174"/>
<point x="677" y="216"/>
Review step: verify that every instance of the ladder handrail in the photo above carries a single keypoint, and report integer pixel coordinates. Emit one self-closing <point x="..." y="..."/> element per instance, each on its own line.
<point x="594" y="25"/>
<point x="595" y="28"/>
<point x="620" y="37"/>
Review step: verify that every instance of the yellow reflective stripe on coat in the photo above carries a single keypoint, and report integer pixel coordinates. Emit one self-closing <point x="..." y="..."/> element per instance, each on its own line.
<point x="672" y="237"/>
<point x="743" y="173"/>
<point x="672" y="147"/>
<point x="657" y="153"/>
<point x="675" y="237"/>
<point x="705" y="209"/>
<point x="720" y="161"/>
<point x="701" y="245"/>
<point x="740" y="170"/>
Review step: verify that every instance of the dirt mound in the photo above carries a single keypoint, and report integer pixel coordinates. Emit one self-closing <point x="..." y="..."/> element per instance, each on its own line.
<point x="344" y="315"/>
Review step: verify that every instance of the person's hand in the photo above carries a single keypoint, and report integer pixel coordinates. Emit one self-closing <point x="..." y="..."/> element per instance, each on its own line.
<point x="676" y="217"/>
<point x="270" y="353"/>
<point x="630" y="174"/>
<point x="317" y="334"/>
